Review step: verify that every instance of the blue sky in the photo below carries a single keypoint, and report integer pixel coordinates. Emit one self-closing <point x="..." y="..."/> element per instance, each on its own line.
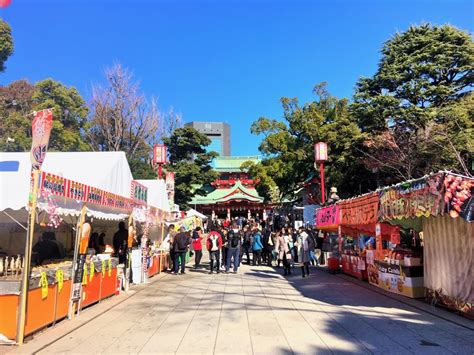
<point x="215" y="60"/>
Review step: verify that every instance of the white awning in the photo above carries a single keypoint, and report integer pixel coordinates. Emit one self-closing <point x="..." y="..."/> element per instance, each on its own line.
<point x="107" y="171"/>
<point x="157" y="194"/>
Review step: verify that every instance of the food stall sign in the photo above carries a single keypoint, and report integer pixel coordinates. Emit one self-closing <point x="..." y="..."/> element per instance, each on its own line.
<point x="419" y="198"/>
<point x="59" y="186"/>
<point x="138" y="192"/>
<point x="360" y="210"/>
<point x="327" y="217"/>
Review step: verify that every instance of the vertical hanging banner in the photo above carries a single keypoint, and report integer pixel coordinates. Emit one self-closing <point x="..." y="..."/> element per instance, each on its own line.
<point x="170" y="187"/>
<point x="41" y="130"/>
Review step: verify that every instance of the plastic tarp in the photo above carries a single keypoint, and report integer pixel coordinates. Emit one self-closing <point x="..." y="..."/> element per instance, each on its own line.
<point x="449" y="254"/>
<point x="157" y="194"/>
<point x="108" y="171"/>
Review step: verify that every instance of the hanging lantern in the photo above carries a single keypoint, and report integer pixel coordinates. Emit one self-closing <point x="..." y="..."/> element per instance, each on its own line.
<point x="320" y="152"/>
<point x="159" y="154"/>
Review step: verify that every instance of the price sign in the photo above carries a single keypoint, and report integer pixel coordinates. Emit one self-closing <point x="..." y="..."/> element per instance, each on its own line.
<point x="44" y="285"/>
<point x="110" y="267"/>
<point x="60" y="279"/>
<point x="91" y="275"/>
<point x="84" y="277"/>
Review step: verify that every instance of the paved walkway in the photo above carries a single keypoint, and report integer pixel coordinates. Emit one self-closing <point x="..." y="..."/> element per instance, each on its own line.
<point x="258" y="311"/>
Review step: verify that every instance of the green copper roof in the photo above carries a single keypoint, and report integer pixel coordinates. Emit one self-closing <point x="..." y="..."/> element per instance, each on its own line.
<point x="232" y="164"/>
<point x="236" y="192"/>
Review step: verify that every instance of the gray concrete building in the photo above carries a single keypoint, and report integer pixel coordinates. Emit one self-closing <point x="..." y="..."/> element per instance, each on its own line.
<point x="218" y="133"/>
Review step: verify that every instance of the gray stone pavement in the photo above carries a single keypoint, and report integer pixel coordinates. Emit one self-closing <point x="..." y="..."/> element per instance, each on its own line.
<point x="258" y="311"/>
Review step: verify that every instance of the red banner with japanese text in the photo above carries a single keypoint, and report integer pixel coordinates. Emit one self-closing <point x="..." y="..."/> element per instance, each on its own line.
<point x="359" y="210"/>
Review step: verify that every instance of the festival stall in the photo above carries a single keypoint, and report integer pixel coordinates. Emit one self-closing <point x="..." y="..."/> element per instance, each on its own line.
<point x="327" y="221"/>
<point x="64" y="204"/>
<point x="439" y="209"/>
<point x="157" y="256"/>
<point x="361" y="238"/>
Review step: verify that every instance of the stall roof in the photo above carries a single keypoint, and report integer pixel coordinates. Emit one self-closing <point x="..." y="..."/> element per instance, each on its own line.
<point x="108" y="171"/>
<point x="193" y="213"/>
<point x="157" y="195"/>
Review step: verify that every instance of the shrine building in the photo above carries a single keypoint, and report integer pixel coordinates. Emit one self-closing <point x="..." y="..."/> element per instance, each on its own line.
<point x="233" y="193"/>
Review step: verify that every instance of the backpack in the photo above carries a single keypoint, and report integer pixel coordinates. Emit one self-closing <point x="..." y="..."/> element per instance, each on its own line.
<point x="182" y="242"/>
<point x="214" y="244"/>
<point x="234" y="242"/>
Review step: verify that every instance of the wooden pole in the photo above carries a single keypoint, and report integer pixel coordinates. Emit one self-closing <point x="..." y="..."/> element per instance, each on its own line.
<point x="26" y="268"/>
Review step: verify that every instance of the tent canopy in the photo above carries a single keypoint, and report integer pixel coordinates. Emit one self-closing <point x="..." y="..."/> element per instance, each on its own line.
<point x="107" y="171"/>
<point x="193" y="213"/>
<point x="157" y="195"/>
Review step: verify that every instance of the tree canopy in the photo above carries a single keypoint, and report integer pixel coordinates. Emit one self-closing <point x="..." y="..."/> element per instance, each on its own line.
<point x="19" y="99"/>
<point x="404" y="107"/>
<point x="288" y="147"/>
<point x="6" y="43"/>
<point x="191" y="162"/>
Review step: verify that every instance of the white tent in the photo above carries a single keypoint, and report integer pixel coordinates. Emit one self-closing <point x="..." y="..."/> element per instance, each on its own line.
<point x="107" y="171"/>
<point x="157" y="194"/>
<point x="193" y="213"/>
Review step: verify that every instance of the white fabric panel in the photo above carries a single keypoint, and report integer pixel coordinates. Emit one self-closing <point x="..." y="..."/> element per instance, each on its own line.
<point x="108" y="171"/>
<point x="193" y="213"/>
<point x="157" y="194"/>
<point x="448" y="256"/>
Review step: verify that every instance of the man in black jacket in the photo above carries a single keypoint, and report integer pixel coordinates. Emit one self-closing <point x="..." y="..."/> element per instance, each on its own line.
<point x="180" y="247"/>
<point x="120" y="243"/>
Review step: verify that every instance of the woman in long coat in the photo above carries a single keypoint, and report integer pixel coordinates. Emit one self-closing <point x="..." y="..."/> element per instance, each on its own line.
<point x="283" y="250"/>
<point x="303" y="251"/>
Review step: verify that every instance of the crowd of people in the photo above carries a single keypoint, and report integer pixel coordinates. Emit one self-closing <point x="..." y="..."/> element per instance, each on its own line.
<point x="230" y="244"/>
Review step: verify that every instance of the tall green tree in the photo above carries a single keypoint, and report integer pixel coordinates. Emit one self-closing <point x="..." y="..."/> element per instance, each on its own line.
<point x="288" y="147"/>
<point x="19" y="99"/>
<point x="6" y="43"/>
<point x="402" y="109"/>
<point x="191" y="162"/>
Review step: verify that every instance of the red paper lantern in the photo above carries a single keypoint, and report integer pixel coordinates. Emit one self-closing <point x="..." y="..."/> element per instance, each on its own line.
<point x="320" y="152"/>
<point x="159" y="154"/>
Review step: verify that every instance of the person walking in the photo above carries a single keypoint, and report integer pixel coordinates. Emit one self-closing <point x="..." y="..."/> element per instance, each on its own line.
<point x="283" y="251"/>
<point x="197" y="246"/>
<point x="303" y="252"/>
<point x="224" y="231"/>
<point x="319" y="249"/>
<point x="214" y="245"/>
<point x="311" y="247"/>
<point x="180" y="246"/>
<point x="168" y="244"/>
<point x="234" y="243"/>
<point x="257" y="246"/>
<point x="267" y="247"/>
<point x="246" y="244"/>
